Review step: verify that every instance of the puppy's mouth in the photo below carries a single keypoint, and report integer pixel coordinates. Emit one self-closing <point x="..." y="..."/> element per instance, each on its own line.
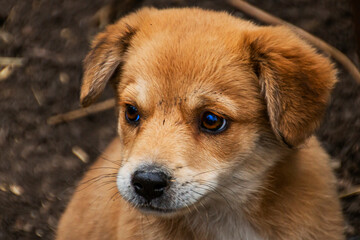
<point x="148" y="208"/>
<point x="176" y="200"/>
<point x="154" y="190"/>
<point x="162" y="206"/>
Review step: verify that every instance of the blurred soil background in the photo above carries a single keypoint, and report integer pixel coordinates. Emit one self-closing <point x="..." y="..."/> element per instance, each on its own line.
<point x="40" y="163"/>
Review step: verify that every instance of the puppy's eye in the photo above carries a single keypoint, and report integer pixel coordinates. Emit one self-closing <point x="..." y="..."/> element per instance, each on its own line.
<point x="213" y="123"/>
<point x="131" y="114"/>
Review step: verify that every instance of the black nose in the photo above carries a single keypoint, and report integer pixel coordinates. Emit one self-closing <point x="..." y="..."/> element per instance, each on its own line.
<point x="150" y="185"/>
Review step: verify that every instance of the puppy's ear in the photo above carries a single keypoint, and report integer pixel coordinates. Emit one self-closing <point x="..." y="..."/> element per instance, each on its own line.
<point x="106" y="54"/>
<point x="295" y="82"/>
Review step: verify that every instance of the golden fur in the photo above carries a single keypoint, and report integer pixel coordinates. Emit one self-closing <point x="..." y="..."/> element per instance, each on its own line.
<point x="264" y="177"/>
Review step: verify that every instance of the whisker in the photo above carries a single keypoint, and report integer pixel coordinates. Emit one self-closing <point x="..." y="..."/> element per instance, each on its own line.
<point x="93" y="181"/>
<point x="214" y="184"/>
<point x="99" y="168"/>
<point x="97" y="178"/>
<point x="219" y="193"/>
<point x="114" y="195"/>
<point x="226" y="200"/>
<point x="103" y="184"/>
<point x="260" y="187"/>
<point x="115" y="162"/>
<point x="201" y="194"/>
<point x="117" y="197"/>
<point x="213" y="170"/>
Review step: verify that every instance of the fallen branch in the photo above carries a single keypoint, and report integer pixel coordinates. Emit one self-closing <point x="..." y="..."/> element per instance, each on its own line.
<point x="272" y="20"/>
<point x="82" y="112"/>
<point x="10" y="63"/>
<point x="14" y="61"/>
<point x="6" y="37"/>
<point x="6" y="72"/>
<point x="351" y="191"/>
<point x="52" y="57"/>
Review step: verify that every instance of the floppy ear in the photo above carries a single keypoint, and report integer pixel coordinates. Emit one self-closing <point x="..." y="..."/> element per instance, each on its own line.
<point x="295" y="82"/>
<point x="106" y="55"/>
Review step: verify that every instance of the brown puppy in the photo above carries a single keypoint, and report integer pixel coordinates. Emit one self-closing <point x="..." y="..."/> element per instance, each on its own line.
<point x="215" y="117"/>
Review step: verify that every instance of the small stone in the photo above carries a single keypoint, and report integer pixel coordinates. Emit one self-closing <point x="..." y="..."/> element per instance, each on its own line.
<point x="6" y="72"/>
<point x="16" y="189"/>
<point x="27" y="227"/>
<point x="33" y="214"/>
<point x="65" y="33"/>
<point x="45" y="206"/>
<point x="39" y="232"/>
<point x="81" y="154"/>
<point x="51" y="196"/>
<point x="27" y="30"/>
<point x="52" y="222"/>
<point x="3" y="187"/>
<point x="6" y="37"/>
<point x="64" y="78"/>
<point x="38" y="95"/>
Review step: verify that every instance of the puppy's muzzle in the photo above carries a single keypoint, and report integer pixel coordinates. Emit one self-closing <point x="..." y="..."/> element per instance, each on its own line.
<point x="150" y="183"/>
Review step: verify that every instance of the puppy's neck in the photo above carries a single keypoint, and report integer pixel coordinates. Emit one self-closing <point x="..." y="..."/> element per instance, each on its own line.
<point x="215" y="222"/>
<point x="223" y="221"/>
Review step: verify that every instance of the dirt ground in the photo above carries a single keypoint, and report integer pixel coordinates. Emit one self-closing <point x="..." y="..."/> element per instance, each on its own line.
<point x="38" y="167"/>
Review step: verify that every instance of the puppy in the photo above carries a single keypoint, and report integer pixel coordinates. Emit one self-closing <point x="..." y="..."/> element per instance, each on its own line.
<point x="215" y="123"/>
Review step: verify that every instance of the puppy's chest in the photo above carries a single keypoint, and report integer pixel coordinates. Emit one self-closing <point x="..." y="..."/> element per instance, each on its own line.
<point x="227" y="227"/>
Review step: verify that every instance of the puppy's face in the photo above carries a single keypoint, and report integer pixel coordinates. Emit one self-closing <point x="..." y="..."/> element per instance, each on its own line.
<point x="206" y="103"/>
<point x="187" y="116"/>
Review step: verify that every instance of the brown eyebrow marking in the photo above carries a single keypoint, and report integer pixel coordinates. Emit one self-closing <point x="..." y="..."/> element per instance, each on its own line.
<point x="125" y="40"/>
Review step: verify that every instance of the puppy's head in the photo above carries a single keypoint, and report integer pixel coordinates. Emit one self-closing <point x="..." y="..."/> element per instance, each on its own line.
<point x="206" y="103"/>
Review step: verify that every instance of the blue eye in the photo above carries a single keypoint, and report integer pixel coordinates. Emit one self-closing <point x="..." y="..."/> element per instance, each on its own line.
<point x="131" y="114"/>
<point x="213" y="123"/>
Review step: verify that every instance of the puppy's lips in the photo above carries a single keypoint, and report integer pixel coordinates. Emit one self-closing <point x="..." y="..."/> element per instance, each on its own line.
<point x="148" y="208"/>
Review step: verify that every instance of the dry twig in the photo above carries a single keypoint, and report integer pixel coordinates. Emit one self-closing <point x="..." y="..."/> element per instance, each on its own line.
<point x="6" y="72"/>
<point x="351" y="191"/>
<point x="80" y="153"/>
<point x="14" y="61"/>
<point x="82" y="112"/>
<point x="272" y="20"/>
<point x="10" y="63"/>
<point x="6" y="37"/>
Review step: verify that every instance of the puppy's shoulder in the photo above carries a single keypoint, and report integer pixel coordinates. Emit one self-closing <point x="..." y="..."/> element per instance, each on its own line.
<point x="302" y="192"/>
<point x="92" y="212"/>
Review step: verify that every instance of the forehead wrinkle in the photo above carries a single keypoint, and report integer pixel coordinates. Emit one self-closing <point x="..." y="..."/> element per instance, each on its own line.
<point x="137" y="91"/>
<point x="214" y="101"/>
